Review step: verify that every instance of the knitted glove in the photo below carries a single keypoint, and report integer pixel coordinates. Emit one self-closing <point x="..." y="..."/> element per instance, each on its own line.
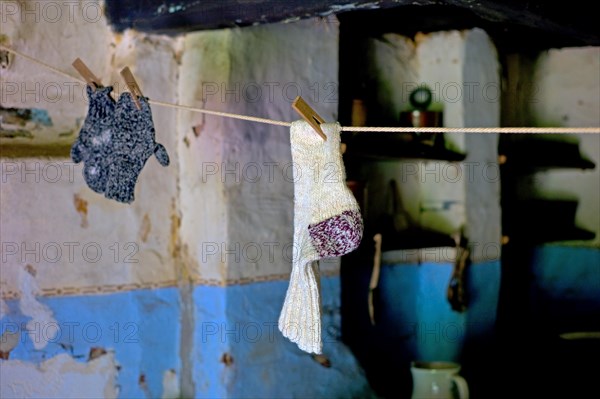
<point x="93" y="144"/>
<point x="133" y="143"/>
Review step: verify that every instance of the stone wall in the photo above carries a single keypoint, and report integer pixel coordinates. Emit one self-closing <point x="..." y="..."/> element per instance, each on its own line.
<point x="237" y="210"/>
<point x="178" y="294"/>
<point x="165" y="297"/>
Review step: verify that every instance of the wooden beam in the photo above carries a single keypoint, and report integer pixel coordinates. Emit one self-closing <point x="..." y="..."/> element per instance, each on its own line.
<point x="530" y="22"/>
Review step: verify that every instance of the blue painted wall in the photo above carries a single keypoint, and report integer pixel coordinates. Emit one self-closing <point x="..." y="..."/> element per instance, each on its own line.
<point x="140" y="327"/>
<point x="565" y="294"/>
<point x="415" y="321"/>
<point x="562" y="295"/>
<point x="143" y="328"/>
<point x="241" y="321"/>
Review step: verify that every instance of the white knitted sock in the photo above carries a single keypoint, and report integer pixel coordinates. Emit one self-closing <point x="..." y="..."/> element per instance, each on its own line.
<point x="327" y="223"/>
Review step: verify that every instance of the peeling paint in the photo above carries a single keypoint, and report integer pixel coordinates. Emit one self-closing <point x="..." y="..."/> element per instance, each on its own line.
<point x="127" y="326"/>
<point x="59" y="377"/>
<point x="227" y="359"/>
<point x="145" y="228"/>
<point x="41" y="117"/>
<point x="96" y="352"/>
<point x="8" y="342"/>
<point x="170" y="383"/>
<point x="4" y="59"/>
<point x="25" y="117"/>
<point x="11" y="134"/>
<point x="197" y="129"/>
<point x="175" y="241"/>
<point x="81" y="206"/>
<point x="144" y="385"/>
<point x="40" y="314"/>
<point x="4" y="55"/>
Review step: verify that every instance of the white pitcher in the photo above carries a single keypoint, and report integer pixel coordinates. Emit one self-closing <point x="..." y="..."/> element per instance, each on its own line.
<point x="435" y="380"/>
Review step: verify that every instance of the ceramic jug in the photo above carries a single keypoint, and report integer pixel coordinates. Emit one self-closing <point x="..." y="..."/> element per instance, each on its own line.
<point x="438" y="380"/>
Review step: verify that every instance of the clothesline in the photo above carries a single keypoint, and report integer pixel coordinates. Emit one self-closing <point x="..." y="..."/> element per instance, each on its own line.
<point x="393" y="129"/>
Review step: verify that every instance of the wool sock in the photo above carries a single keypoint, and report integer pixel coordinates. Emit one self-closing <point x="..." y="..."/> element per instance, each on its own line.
<point x="133" y="143"/>
<point x="92" y="145"/>
<point x="327" y="223"/>
<point x="336" y="224"/>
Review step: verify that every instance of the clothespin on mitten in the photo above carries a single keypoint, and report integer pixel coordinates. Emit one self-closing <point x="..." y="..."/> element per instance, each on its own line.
<point x="132" y="85"/>
<point x="87" y="74"/>
<point x="309" y="115"/>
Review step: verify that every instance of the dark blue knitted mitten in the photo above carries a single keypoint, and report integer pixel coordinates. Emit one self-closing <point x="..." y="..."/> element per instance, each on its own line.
<point x="94" y="141"/>
<point x="133" y="142"/>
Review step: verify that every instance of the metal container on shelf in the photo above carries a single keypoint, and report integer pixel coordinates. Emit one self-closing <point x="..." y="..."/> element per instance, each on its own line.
<point x="419" y="116"/>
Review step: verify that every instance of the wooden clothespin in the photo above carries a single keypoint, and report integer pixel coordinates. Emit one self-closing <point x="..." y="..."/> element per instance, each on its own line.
<point x="88" y="75"/>
<point x="309" y="115"/>
<point x="132" y="85"/>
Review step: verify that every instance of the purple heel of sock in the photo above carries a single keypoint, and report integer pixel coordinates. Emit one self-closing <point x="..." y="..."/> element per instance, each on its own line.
<point x="337" y="235"/>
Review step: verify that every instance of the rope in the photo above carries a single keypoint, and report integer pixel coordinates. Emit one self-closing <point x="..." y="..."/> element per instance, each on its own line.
<point x="472" y="129"/>
<point x="159" y="103"/>
<point x="42" y="63"/>
<point x="344" y="128"/>
<point x="225" y="114"/>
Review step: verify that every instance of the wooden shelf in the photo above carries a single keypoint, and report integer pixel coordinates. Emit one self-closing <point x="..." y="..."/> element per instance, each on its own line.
<point x="396" y="146"/>
<point x="411" y="238"/>
<point x="539" y="154"/>
<point x="539" y="221"/>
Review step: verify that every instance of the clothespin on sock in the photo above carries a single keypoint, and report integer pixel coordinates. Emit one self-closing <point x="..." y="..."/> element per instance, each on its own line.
<point x="88" y="75"/>
<point x="132" y="85"/>
<point x="309" y="115"/>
